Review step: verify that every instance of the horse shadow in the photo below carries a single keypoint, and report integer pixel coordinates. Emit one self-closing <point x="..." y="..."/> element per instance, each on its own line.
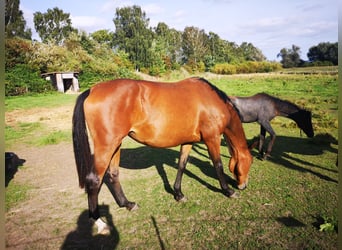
<point x="84" y="238"/>
<point x="12" y="163"/>
<point x="146" y="157"/>
<point x="286" y="147"/>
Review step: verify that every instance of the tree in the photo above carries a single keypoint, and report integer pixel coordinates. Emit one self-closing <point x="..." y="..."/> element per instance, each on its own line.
<point x="103" y="37"/>
<point x="195" y="44"/>
<point x="290" y="57"/>
<point x="15" y="24"/>
<point x="54" y="25"/>
<point x="171" y="39"/>
<point x="132" y="34"/>
<point x="251" y="53"/>
<point x="324" y="52"/>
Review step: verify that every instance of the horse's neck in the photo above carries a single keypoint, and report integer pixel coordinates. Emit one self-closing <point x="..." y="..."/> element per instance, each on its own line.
<point x="287" y="109"/>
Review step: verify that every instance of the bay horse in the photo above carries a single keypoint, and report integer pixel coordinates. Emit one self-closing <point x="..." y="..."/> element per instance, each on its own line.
<point x="159" y="115"/>
<point x="262" y="108"/>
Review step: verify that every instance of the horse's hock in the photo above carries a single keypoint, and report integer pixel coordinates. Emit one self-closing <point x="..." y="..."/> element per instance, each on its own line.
<point x="63" y="81"/>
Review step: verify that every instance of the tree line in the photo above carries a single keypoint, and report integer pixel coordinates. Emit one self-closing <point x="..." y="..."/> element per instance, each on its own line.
<point x="136" y="46"/>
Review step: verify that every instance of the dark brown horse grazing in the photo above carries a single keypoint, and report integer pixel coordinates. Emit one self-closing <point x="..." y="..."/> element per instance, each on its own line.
<point x="158" y="115"/>
<point x="262" y="108"/>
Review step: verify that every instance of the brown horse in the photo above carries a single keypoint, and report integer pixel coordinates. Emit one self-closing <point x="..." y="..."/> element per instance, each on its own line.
<point x="158" y="115"/>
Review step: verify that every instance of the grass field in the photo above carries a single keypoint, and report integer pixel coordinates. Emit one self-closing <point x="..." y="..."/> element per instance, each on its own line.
<point x="290" y="203"/>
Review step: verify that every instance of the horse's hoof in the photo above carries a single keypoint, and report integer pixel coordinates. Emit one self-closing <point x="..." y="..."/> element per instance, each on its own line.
<point x="102" y="227"/>
<point x="231" y="193"/>
<point x="235" y="195"/>
<point x="105" y="231"/>
<point x="179" y="197"/>
<point x="183" y="199"/>
<point x="133" y="207"/>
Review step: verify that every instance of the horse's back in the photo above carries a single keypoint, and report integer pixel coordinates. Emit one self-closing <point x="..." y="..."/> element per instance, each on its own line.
<point x="258" y="107"/>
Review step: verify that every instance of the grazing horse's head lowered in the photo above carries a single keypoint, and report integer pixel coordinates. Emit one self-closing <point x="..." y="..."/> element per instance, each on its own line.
<point x="159" y="115"/>
<point x="303" y="120"/>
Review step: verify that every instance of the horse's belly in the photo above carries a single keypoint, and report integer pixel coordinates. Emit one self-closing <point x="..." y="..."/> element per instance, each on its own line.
<point x="164" y="138"/>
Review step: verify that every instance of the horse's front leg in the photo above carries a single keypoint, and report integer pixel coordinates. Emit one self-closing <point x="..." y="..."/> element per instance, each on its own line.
<point x="183" y="159"/>
<point x="214" y="152"/>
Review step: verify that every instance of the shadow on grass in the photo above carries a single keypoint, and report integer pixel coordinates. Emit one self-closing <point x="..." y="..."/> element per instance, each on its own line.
<point x="290" y="222"/>
<point x="146" y="157"/>
<point x="285" y="148"/>
<point x="82" y="237"/>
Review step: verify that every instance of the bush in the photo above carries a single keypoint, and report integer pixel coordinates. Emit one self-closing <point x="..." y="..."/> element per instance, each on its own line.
<point x="21" y="79"/>
<point x="245" y="68"/>
<point x="17" y="51"/>
<point x="224" y="69"/>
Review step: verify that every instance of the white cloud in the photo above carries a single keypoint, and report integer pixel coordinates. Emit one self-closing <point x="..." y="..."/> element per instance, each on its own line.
<point x="152" y="9"/>
<point x="89" y="23"/>
<point x="111" y="5"/>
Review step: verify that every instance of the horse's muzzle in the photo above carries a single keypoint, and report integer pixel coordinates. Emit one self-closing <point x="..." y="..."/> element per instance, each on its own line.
<point x="242" y="186"/>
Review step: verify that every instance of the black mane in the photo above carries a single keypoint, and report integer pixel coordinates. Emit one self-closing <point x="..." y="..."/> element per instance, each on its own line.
<point x="223" y="96"/>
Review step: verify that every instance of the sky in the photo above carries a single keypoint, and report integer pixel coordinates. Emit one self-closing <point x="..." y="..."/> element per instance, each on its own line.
<point x="268" y="25"/>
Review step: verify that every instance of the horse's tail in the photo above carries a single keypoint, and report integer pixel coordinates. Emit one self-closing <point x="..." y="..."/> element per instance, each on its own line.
<point x="80" y="140"/>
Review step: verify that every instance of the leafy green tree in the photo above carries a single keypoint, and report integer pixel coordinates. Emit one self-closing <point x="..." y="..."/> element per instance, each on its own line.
<point x="54" y="25"/>
<point x="251" y="53"/>
<point x="324" y="52"/>
<point x="132" y="34"/>
<point x="195" y="44"/>
<point x="15" y="24"/>
<point x="216" y="48"/>
<point x="103" y="37"/>
<point x="290" y="57"/>
<point x="171" y="39"/>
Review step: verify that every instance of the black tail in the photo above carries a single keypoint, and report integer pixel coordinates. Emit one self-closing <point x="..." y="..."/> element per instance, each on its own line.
<point x="80" y="140"/>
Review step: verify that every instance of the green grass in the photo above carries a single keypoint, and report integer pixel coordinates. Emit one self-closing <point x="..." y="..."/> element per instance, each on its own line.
<point x="35" y="133"/>
<point x="53" y="138"/>
<point x="15" y="193"/>
<point x="48" y="100"/>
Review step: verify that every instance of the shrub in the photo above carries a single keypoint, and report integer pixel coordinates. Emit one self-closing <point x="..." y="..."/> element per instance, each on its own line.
<point x="22" y="79"/>
<point x="224" y="69"/>
<point x="17" y="51"/>
<point x="245" y="68"/>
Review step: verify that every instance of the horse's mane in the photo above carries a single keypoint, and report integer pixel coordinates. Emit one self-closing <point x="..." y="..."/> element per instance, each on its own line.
<point x="223" y="96"/>
<point x="281" y="103"/>
<point x="284" y="105"/>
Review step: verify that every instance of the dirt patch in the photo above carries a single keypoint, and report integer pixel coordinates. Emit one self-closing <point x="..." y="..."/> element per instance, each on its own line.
<point x="54" y="118"/>
<point x="44" y="219"/>
<point x="56" y="208"/>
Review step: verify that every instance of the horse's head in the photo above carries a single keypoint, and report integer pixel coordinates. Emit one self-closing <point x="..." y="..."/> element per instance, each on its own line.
<point x="303" y="120"/>
<point x="240" y="165"/>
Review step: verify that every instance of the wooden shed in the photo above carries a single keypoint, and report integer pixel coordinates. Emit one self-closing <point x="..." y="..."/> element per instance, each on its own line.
<point x="63" y="81"/>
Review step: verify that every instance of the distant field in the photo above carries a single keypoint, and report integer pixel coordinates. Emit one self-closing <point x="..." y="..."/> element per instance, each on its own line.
<point x="290" y="203"/>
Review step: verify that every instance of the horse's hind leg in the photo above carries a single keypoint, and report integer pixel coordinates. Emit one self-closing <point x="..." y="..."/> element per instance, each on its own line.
<point x="261" y="140"/>
<point x="114" y="183"/>
<point x="267" y="127"/>
<point x="102" y="157"/>
<point x="93" y="186"/>
<point x="183" y="159"/>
